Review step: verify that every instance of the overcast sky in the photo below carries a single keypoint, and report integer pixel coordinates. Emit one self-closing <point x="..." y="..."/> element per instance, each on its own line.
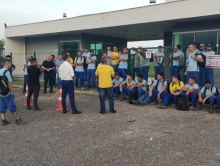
<point x="14" y="12"/>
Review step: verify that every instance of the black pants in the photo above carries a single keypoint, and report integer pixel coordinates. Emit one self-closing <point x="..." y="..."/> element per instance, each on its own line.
<point x="48" y="77"/>
<point x="33" y="89"/>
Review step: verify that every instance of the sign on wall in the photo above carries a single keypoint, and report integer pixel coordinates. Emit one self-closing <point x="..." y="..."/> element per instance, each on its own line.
<point x="148" y="54"/>
<point x="213" y="61"/>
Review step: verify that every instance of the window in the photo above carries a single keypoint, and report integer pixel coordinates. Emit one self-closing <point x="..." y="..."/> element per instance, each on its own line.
<point x="183" y="40"/>
<point x="69" y="46"/>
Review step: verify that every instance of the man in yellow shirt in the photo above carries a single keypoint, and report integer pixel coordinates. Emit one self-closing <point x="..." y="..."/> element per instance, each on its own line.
<point x="105" y="74"/>
<point x="115" y="59"/>
<point x="71" y="59"/>
<point x="175" y="90"/>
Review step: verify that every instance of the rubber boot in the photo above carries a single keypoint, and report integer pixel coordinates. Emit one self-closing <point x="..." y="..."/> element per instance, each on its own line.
<point x="211" y="108"/>
<point x="198" y="107"/>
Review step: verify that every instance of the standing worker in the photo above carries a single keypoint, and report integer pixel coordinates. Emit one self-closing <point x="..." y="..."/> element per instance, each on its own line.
<point x="48" y="67"/>
<point x="66" y="75"/>
<point x="27" y="64"/>
<point x="33" y="84"/>
<point x="105" y="74"/>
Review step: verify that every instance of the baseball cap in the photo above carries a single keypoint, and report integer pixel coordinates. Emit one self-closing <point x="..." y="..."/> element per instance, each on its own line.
<point x="209" y="45"/>
<point x="202" y="45"/>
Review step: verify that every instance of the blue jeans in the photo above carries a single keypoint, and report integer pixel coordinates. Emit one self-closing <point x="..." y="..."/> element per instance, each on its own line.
<point x="122" y="73"/>
<point x="79" y="76"/>
<point x="58" y="81"/>
<point x="175" y="70"/>
<point x="54" y="79"/>
<point x="155" y="94"/>
<point x="48" y="77"/>
<point x="137" y="71"/>
<point x="144" y="72"/>
<point x="145" y="99"/>
<point x="157" y="70"/>
<point x="25" y="82"/>
<point x="193" y="97"/>
<point x="7" y="103"/>
<point x="91" y="76"/>
<point x="110" y="94"/>
<point x="206" y="74"/>
<point x="68" y="88"/>
<point x="171" y="98"/>
<point x="115" y="68"/>
<point x="217" y="99"/>
<point x="125" y="92"/>
<point x="209" y="100"/>
<point x="116" y="90"/>
<point x="140" y="91"/>
<point x="193" y="74"/>
<point x="85" y="73"/>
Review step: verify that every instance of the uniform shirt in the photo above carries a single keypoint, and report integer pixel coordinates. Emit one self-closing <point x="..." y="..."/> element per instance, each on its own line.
<point x="105" y="72"/>
<point x="158" y="54"/>
<point x="176" y="62"/>
<point x="137" y="62"/>
<point x="10" y="69"/>
<point x="115" y="54"/>
<point x="209" y="53"/>
<point x="58" y="62"/>
<point x="176" y="86"/>
<point x="48" y="64"/>
<point x="79" y="60"/>
<point x="86" y="54"/>
<point x="195" y="86"/>
<point x="131" y="82"/>
<point x="66" y="71"/>
<point x="116" y="81"/>
<point x="208" y="91"/>
<point x="25" y="69"/>
<point x="160" y="84"/>
<point x="109" y="61"/>
<point x="193" y="66"/>
<point x="122" y="64"/>
<point x="7" y="74"/>
<point x="143" y="82"/>
<point x="91" y="65"/>
<point x="145" y="61"/>
<point x="33" y="75"/>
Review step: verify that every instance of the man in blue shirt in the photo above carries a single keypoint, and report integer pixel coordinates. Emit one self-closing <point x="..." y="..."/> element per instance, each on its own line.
<point x="145" y="63"/>
<point x="91" y="60"/>
<point x="176" y="61"/>
<point x="7" y="101"/>
<point x="123" y="65"/>
<point x="85" y="55"/>
<point x="207" y="96"/>
<point x="59" y="61"/>
<point x="125" y="87"/>
<point x="158" y="61"/>
<point x="116" y="84"/>
<point x="12" y="68"/>
<point x="26" y="64"/>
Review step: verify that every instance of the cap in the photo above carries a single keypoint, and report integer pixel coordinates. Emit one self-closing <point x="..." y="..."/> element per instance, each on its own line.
<point x="201" y="45"/>
<point x="209" y="45"/>
<point x="160" y="46"/>
<point x="8" y="57"/>
<point x="150" y="81"/>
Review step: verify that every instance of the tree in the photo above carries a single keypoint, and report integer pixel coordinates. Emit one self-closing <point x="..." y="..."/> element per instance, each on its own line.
<point x="2" y="48"/>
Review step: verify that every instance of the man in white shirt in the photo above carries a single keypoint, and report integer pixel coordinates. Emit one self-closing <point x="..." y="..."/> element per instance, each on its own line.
<point x="66" y="75"/>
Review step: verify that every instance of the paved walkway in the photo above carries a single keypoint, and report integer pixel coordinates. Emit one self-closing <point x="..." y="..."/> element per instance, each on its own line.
<point x="133" y="136"/>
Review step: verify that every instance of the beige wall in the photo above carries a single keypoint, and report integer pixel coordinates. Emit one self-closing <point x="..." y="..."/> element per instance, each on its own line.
<point x="17" y="47"/>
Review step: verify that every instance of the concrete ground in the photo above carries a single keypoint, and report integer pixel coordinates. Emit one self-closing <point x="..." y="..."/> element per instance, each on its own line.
<point x="134" y="136"/>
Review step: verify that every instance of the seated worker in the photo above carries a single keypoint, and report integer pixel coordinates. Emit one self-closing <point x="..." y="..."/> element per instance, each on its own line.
<point x="175" y="90"/>
<point x="159" y="88"/>
<point x="191" y="91"/>
<point x="207" y="96"/>
<point x="116" y="84"/>
<point x="125" y="86"/>
<point x="139" y="86"/>
<point x="144" y="99"/>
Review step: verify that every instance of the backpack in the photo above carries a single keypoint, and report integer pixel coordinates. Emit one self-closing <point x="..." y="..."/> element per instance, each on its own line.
<point x="201" y="64"/>
<point x="168" y="85"/>
<point x="4" y="90"/>
<point x="183" y="104"/>
<point x="152" y="57"/>
<point x="217" y="92"/>
<point x="84" y="63"/>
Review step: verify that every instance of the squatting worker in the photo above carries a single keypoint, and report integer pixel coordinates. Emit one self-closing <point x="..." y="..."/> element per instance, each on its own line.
<point x="66" y="75"/>
<point x="105" y="74"/>
<point x="33" y="84"/>
<point x="48" y="67"/>
<point x="7" y="101"/>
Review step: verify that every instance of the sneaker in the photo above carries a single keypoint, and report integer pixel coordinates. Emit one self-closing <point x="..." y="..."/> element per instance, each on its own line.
<point x="19" y="121"/>
<point x="37" y="109"/>
<point x="192" y="108"/>
<point x="29" y="108"/>
<point x="154" y="103"/>
<point x="123" y="99"/>
<point x="45" y="92"/>
<point x="51" y="91"/>
<point x="134" y="102"/>
<point x="5" y="122"/>
<point x="174" y="106"/>
<point x="162" y="107"/>
<point x="116" y="97"/>
<point x="102" y="113"/>
<point x="76" y="112"/>
<point x="112" y="111"/>
<point x="139" y="102"/>
<point x="64" y="112"/>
